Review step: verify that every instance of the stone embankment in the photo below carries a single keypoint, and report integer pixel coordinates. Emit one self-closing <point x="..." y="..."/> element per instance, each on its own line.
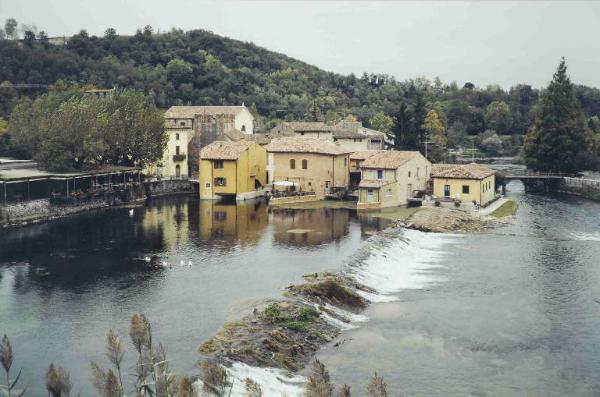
<point x="588" y="188"/>
<point x="42" y="210"/>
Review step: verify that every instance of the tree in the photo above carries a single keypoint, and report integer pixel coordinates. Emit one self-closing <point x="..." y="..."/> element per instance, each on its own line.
<point x="314" y="112"/>
<point x="498" y="117"/>
<point x="2" y="34"/>
<point x="110" y="33"/>
<point x="558" y="135"/>
<point x="179" y="71"/>
<point x="382" y="122"/>
<point x="29" y="38"/>
<point x="434" y="130"/>
<point x="63" y="129"/>
<point x="404" y="137"/>
<point x="10" y="29"/>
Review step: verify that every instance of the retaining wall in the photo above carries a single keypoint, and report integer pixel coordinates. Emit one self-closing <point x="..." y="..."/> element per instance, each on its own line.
<point x="589" y="188"/>
<point x="168" y="186"/>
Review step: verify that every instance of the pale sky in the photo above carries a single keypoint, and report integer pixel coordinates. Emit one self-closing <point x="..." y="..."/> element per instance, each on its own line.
<point x="505" y="43"/>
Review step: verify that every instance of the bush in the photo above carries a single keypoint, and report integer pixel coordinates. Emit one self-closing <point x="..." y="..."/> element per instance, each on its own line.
<point x="437" y="203"/>
<point x="457" y="203"/>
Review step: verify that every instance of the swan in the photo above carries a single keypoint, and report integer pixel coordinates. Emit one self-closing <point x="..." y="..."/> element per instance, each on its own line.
<point x="131" y="212"/>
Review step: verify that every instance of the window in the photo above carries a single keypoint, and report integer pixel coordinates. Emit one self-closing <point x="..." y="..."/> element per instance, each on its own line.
<point x="309" y="183"/>
<point x="446" y="190"/>
<point x="345" y="162"/>
<point x="292" y="164"/>
<point x="177" y="136"/>
<point x="409" y="174"/>
<point x="218" y="163"/>
<point x="182" y="123"/>
<point x="304" y="164"/>
<point x="220" y="182"/>
<point x="379" y="174"/>
<point x="243" y="128"/>
<point x="417" y="174"/>
<point x="302" y="133"/>
<point x="465" y="189"/>
<point x="177" y="150"/>
<point x="208" y="185"/>
<point x="220" y="216"/>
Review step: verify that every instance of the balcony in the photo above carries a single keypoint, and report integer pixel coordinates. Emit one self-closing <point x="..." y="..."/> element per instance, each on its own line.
<point x="178" y="157"/>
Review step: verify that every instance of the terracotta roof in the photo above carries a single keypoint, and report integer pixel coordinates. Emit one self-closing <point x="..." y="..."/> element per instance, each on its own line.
<point x="189" y="112"/>
<point x="363" y="154"/>
<point x="305" y="145"/>
<point x="389" y="159"/>
<point x="461" y="171"/>
<point x="224" y="150"/>
<point x="348" y="134"/>
<point x="374" y="183"/>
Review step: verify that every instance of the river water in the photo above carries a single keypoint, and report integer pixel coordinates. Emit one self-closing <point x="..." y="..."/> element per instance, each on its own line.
<point x="508" y="313"/>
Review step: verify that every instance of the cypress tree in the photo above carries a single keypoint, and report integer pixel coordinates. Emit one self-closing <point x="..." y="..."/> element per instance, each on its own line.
<point x="558" y="137"/>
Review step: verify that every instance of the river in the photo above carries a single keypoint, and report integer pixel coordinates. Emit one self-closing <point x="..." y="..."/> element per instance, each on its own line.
<point x="512" y="312"/>
<point x="64" y="284"/>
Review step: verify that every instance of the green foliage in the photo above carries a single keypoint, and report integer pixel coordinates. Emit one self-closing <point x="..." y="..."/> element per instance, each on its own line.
<point x="382" y="122"/>
<point x="200" y="67"/>
<point x="291" y="319"/>
<point x="65" y="129"/>
<point x="558" y="137"/>
<point x="498" y="117"/>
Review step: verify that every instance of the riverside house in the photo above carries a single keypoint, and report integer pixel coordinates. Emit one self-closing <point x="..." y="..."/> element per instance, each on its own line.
<point x="310" y="164"/>
<point x="349" y="135"/>
<point x="202" y="125"/>
<point x="390" y="178"/>
<point x="467" y="182"/>
<point x="232" y="169"/>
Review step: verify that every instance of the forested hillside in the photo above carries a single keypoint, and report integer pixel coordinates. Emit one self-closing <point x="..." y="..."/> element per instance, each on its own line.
<point x="200" y="67"/>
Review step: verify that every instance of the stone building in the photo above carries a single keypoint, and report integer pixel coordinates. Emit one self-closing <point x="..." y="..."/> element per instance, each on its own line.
<point x="204" y="125"/>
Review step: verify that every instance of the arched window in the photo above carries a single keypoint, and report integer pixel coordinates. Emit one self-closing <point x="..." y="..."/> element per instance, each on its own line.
<point x="244" y="128"/>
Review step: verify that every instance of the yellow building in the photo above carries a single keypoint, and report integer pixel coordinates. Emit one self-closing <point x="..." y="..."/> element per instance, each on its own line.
<point x="467" y="183"/>
<point x="232" y="169"/>
<point x="390" y="178"/>
<point x="312" y="164"/>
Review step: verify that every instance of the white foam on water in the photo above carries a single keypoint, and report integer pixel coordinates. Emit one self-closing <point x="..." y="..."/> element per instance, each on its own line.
<point x="352" y="317"/>
<point x="274" y="382"/>
<point x="377" y="298"/>
<point x="404" y="264"/>
<point x="344" y="326"/>
<point x="582" y="236"/>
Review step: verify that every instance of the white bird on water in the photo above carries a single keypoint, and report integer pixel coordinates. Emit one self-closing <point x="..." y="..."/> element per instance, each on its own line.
<point x="189" y="263"/>
<point x="182" y="263"/>
<point x="147" y="259"/>
<point x="131" y="212"/>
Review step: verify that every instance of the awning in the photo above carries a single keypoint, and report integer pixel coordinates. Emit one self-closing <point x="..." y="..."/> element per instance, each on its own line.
<point x="285" y="183"/>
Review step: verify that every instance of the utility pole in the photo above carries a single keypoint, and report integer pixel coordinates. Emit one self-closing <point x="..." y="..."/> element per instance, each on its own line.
<point x="426" y="142"/>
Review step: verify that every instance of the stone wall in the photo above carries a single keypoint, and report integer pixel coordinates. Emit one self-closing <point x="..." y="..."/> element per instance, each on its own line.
<point x="589" y="188"/>
<point x="41" y="210"/>
<point x="168" y="186"/>
<point x="33" y="211"/>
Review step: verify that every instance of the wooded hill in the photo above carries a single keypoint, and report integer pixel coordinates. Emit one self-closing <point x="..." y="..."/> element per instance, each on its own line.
<point x="200" y="67"/>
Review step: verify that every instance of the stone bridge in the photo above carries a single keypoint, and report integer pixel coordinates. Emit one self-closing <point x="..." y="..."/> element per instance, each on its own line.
<point x="533" y="181"/>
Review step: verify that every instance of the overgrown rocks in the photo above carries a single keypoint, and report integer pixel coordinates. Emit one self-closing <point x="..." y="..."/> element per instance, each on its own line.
<point x="287" y="333"/>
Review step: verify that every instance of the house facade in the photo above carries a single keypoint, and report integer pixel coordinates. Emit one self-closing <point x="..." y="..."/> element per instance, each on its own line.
<point x="312" y="164"/>
<point x="464" y="182"/>
<point x="232" y="169"/>
<point x="207" y="124"/>
<point x="349" y="135"/>
<point x="390" y="178"/>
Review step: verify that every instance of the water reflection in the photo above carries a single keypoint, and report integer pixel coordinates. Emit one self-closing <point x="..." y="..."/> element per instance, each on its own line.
<point x="242" y="223"/>
<point x="309" y="227"/>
